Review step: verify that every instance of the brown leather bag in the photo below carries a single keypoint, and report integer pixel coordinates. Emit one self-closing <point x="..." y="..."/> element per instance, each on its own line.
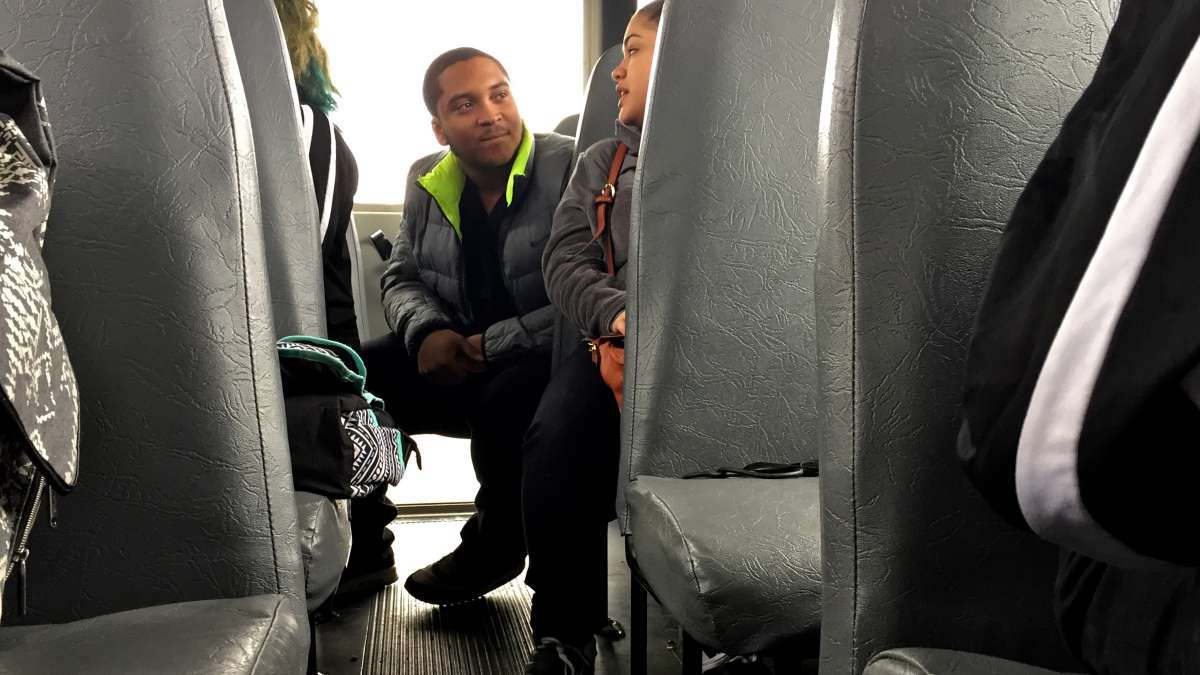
<point x="608" y="351"/>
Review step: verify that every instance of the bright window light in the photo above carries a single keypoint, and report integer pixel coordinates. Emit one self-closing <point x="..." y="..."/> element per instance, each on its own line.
<point x="378" y="52"/>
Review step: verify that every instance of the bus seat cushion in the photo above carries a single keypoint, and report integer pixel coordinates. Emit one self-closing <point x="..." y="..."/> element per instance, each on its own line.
<point x="256" y="635"/>
<point x="909" y="661"/>
<point x="736" y="561"/>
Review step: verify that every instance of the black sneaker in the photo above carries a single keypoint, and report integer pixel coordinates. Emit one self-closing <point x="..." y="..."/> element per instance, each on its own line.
<point x="361" y="583"/>
<point x="459" y="578"/>
<point x="554" y="657"/>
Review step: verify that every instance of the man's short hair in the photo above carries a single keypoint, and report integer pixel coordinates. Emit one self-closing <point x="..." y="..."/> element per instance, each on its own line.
<point x="432" y="89"/>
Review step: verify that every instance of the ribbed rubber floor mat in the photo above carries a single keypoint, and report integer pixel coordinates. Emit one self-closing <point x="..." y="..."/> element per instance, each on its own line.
<point x="488" y="637"/>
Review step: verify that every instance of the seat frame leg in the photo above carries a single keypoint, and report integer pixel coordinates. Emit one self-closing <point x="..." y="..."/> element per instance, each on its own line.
<point x="313" y="655"/>
<point x="638" y="629"/>
<point x="693" y="657"/>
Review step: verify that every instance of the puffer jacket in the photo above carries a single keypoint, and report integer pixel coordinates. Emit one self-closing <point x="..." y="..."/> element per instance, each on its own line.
<point x="576" y="274"/>
<point x="423" y="286"/>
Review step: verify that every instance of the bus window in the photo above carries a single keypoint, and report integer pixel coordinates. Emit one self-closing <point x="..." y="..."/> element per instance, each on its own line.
<point x="379" y="52"/>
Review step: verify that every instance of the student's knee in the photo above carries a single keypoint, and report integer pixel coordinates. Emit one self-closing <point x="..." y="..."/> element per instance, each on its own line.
<point x="568" y="429"/>
<point x="550" y="429"/>
<point x="383" y="351"/>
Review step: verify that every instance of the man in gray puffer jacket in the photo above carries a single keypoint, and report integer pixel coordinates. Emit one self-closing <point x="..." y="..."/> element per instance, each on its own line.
<point x="472" y="327"/>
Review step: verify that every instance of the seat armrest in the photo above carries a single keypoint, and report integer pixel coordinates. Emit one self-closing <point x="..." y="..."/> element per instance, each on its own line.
<point x="325" y="541"/>
<point x="916" y="661"/>
<point x="257" y="635"/>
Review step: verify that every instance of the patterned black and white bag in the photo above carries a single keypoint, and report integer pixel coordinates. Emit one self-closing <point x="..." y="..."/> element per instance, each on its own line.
<point x="39" y="401"/>
<point x="343" y="442"/>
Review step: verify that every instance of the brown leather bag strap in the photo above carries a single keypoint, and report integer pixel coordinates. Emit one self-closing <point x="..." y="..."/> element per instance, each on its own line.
<point x="604" y="201"/>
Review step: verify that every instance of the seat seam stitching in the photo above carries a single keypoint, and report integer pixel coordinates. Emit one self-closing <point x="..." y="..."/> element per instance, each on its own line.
<point x="853" y="321"/>
<point x="691" y="561"/>
<point x="237" y="167"/>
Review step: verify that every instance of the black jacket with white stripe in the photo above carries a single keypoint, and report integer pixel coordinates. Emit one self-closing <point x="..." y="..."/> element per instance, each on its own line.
<point x="336" y="216"/>
<point x="1081" y="405"/>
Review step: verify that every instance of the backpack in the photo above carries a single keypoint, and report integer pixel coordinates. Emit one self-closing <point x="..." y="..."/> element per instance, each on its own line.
<point x="343" y="443"/>
<point x="39" y="400"/>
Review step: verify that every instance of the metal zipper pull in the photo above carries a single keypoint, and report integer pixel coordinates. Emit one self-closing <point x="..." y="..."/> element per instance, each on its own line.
<point x="52" y="507"/>
<point x="22" y="583"/>
<point x="19" y="560"/>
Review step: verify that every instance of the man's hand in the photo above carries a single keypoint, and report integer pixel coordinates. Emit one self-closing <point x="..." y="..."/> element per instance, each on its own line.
<point x="618" y="324"/>
<point x="445" y="358"/>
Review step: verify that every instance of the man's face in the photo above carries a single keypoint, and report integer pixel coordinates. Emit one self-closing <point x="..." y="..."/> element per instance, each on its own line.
<point x="632" y="75"/>
<point x="476" y="114"/>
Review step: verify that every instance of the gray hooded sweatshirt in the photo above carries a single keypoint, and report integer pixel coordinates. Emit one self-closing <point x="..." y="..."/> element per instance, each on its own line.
<point x="577" y="278"/>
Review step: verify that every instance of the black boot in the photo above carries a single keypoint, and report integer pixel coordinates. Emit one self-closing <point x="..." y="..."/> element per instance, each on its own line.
<point x="555" y="657"/>
<point x="461" y="577"/>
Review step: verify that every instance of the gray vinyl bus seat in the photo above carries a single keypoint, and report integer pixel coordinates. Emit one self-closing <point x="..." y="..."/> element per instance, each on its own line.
<point x="293" y="251"/>
<point x="721" y="362"/>
<point x="290" y="221"/>
<point x="568" y="126"/>
<point x="155" y="253"/>
<point x="937" y="115"/>
<point x="256" y="635"/>
<point x="598" y="119"/>
<point x="944" y="662"/>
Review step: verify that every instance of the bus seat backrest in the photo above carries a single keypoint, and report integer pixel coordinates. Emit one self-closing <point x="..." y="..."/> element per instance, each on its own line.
<point x="936" y="113"/>
<point x="720" y="366"/>
<point x="156" y="257"/>
<point x="289" y="208"/>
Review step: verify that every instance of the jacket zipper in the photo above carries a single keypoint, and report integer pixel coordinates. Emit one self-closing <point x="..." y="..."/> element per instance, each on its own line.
<point x="462" y="271"/>
<point x="431" y="204"/>
<point x="462" y="285"/>
<point x="21" y="557"/>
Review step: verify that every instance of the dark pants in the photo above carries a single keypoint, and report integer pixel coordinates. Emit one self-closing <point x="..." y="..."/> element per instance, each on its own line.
<point x="1122" y="621"/>
<point x="571" y="462"/>
<point x="493" y="409"/>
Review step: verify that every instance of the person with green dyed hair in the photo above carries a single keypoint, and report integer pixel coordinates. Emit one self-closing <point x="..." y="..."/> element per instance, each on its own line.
<point x="334" y="170"/>
<point x="310" y="62"/>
